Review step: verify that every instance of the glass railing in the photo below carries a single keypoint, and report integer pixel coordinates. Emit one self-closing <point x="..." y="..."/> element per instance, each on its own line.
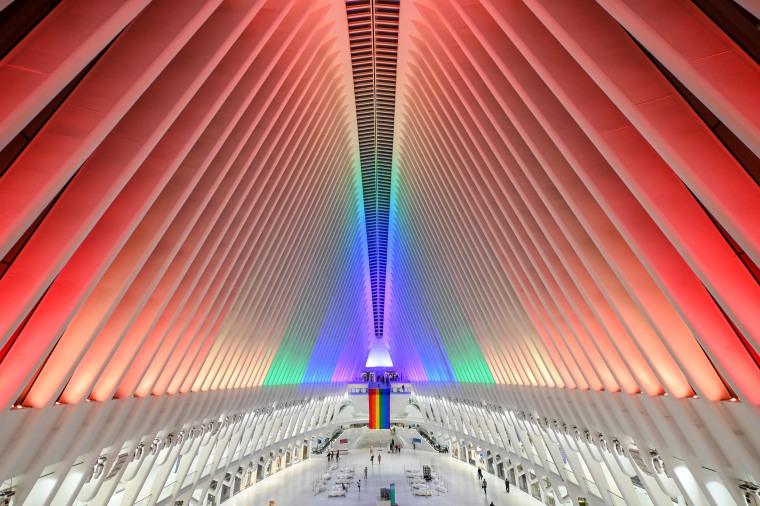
<point x="188" y="479"/>
<point x="430" y="439"/>
<point x="144" y="501"/>
<point x="166" y="492"/>
<point x="617" y="500"/>
<point x="593" y="488"/>
<point x="321" y="448"/>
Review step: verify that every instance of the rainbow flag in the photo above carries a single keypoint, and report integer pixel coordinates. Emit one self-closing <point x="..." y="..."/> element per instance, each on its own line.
<point x="379" y="408"/>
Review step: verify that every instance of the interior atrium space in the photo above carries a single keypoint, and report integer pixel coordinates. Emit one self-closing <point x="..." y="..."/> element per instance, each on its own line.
<point x="249" y="248"/>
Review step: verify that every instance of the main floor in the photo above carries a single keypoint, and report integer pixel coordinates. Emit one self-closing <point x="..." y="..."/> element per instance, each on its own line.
<point x="295" y="486"/>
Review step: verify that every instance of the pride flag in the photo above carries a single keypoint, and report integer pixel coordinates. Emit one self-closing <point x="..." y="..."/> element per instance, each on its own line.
<point x="379" y="408"/>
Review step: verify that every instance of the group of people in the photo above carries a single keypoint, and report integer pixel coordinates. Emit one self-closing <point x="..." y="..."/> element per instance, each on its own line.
<point x="484" y="485"/>
<point x="393" y="447"/>
<point x="372" y="459"/>
<point x="380" y="377"/>
<point x="330" y="456"/>
<point x="481" y="479"/>
<point x="358" y="483"/>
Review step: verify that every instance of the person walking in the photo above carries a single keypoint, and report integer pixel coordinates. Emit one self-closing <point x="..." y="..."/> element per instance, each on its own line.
<point x="359" y="483"/>
<point x="506" y="482"/>
<point x="372" y="459"/>
<point x="378" y="459"/>
<point x="484" y="487"/>
<point x="365" y="472"/>
<point x="480" y="474"/>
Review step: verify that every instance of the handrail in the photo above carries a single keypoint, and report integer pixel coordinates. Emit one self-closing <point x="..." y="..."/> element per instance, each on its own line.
<point x="617" y="500"/>
<point x="593" y="488"/>
<point x="436" y="446"/>
<point x="320" y="449"/>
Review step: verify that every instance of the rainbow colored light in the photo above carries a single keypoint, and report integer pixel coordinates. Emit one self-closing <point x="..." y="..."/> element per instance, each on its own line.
<point x="379" y="408"/>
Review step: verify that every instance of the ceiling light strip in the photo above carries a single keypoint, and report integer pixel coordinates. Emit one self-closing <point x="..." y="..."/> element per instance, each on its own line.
<point x="373" y="39"/>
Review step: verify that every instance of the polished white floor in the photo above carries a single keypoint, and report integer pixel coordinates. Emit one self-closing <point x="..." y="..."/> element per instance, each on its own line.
<point x="294" y="486"/>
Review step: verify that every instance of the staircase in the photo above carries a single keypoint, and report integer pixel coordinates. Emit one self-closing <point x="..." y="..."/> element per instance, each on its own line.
<point x="378" y="438"/>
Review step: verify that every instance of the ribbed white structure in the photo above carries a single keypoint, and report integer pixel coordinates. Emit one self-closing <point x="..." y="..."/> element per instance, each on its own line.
<point x="195" y="195"/>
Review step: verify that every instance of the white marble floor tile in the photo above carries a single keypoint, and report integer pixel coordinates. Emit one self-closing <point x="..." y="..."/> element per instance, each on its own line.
<point x="294" y="486"/>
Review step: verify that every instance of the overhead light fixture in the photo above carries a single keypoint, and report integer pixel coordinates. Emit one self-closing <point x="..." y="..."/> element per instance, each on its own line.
<point x="154" y="446"/>
<point x="98" y="468"/>
<point x="657" y="462"/>
<point x="138" y="453"/>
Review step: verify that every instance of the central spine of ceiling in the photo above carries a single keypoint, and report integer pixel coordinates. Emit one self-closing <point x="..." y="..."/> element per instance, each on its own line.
<point x="373" y="38"/>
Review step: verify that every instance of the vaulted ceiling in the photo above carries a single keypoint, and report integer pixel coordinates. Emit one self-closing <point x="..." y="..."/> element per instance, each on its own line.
<point x="211" y="195"/>
<point x="202" y="216"/>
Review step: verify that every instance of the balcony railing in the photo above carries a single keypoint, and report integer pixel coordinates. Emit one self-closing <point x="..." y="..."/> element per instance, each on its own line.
<point x="616" y="499"/>
<point x="593" y="488"/>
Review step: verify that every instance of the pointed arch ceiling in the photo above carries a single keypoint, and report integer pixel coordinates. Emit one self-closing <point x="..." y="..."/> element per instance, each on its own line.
<point x="574" y="201"/>
<point x="210" y="211"/>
